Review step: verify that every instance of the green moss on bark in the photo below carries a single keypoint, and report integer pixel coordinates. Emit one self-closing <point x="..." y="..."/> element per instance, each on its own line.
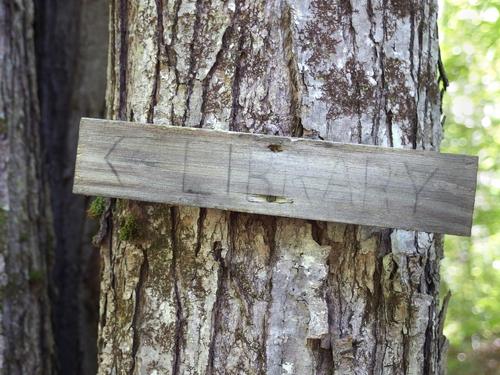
<point x="35" y="276"/>
<point x="128" y="228"/>
<point x="3" y="126"/>
<point x="97" y="207"/>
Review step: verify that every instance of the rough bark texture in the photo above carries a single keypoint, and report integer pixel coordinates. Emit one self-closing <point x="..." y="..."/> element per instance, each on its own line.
<point x="72" y="40"/>
<point x="26" y="341"/>
<point x="202" y="291"/>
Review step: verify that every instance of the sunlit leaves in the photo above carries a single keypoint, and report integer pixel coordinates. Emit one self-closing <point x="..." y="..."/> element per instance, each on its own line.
<point x="469" y="30"/>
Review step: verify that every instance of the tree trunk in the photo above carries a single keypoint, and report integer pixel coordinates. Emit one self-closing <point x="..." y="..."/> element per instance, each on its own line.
<point x="71" y="55"/>
<point x="203" y="291"/>
<point x="26" y="341"/>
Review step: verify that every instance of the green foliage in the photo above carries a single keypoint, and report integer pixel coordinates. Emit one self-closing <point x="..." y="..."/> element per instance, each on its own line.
<point x="97" y="207"/>
<point x="471" y="268"/>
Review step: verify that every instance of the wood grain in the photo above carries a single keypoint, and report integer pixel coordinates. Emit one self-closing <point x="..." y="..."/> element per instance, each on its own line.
<point x="282" y="176"/>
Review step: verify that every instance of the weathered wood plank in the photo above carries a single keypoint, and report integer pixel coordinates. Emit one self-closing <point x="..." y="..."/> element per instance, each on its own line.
<point x="293" y="177"/>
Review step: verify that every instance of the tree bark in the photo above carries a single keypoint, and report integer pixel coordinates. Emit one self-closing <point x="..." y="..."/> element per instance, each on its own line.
<point x="203" y="291"/>
<point x="26" y="340"/>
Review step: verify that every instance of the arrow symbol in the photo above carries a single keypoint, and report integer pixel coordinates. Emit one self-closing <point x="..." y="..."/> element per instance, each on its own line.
<point x="109" y="163"/>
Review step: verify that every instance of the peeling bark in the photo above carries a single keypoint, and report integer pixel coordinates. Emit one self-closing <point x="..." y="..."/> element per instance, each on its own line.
<point x="202" y="291"/>
<point x="26" y="340"/>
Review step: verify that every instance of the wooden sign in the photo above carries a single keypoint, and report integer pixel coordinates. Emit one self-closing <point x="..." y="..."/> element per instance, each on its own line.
<point x="293" y="177"/>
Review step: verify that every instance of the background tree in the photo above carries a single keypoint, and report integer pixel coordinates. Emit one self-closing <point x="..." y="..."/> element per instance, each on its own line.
<point x="194" y="290"/>
<point x="26" y="337"/>
<point x="71" y="46"/>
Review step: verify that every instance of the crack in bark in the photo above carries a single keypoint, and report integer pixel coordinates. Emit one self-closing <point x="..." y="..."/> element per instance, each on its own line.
<point x="112" y="277"/>
<point x="271" y="240"/>
<point x="405" y="362"/>
<point x="143" y="274"/>
<point x="388" y="112"/>
<point x="297" y="129"/>
<point x="199" y="235"/>
<point x="235" y="87"/>
<point x="160" y="43"/>
<point x="376" y="118"/>
<point x="110" y="244"/>
<point x="429" y="339"/>
<point x="223" y="278"/>
<point x="192" y="57"/>
<point x="217" y="307"/>
<point x="428" y="82"/>
<point x="226" y="36"/>
<point x="357" y="101"/>
<point x="419" y="74"/>
<point x="389" y="128"/>
<point x="416" y="81"/>
<point x="178" y="304"/>
<point x="377" y="309"/>
<point x="171" y="53"/>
